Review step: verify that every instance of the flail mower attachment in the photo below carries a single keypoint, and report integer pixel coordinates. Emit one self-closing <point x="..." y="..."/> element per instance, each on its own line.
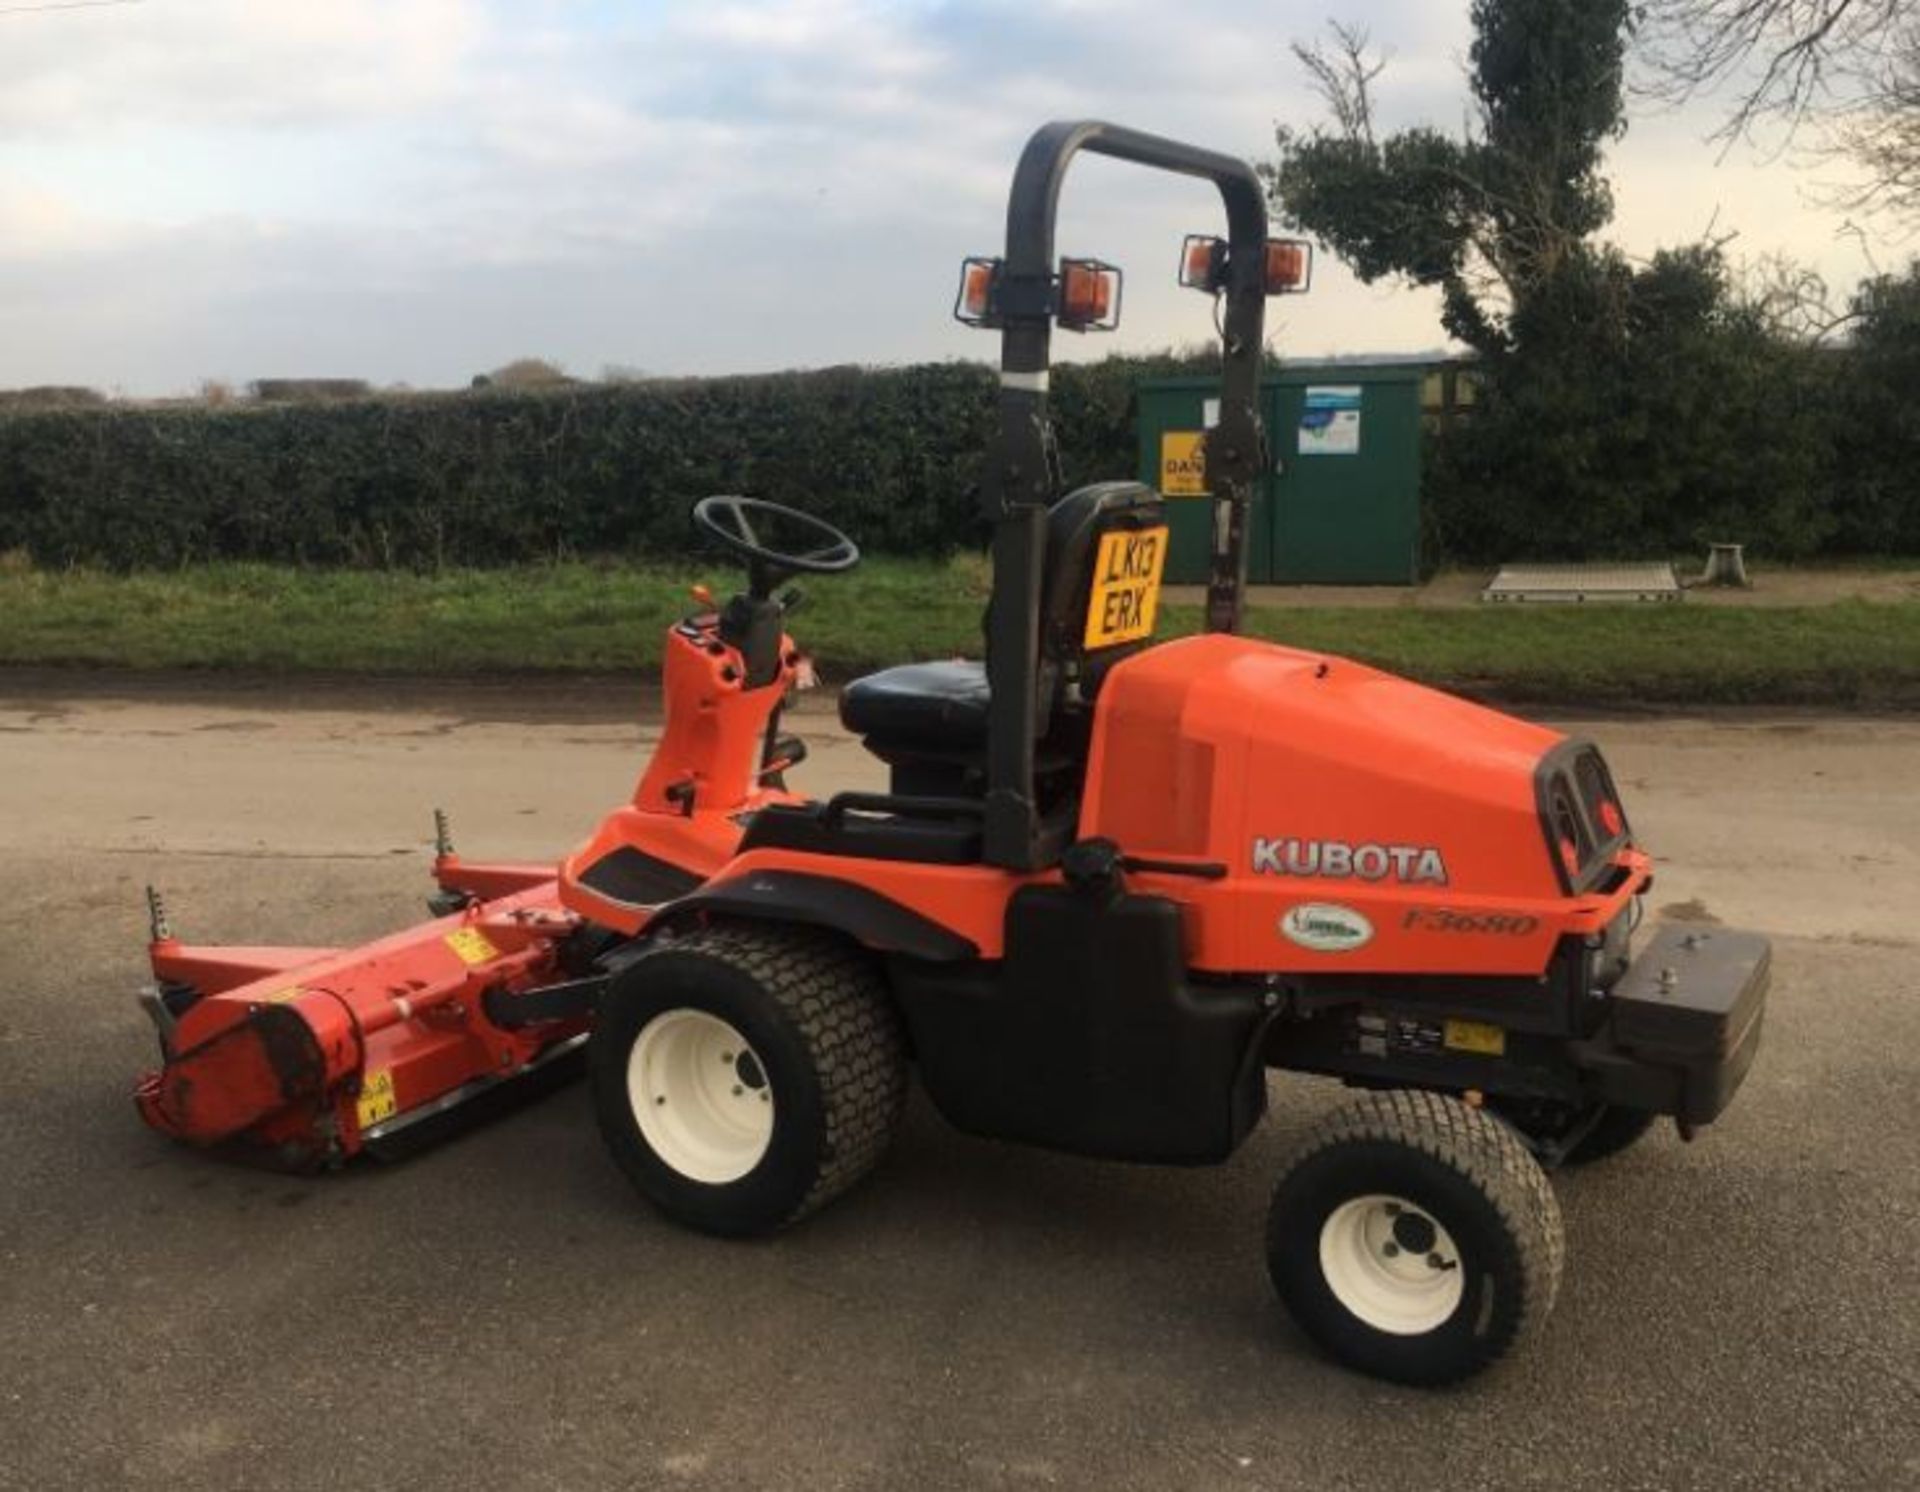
<point x="303" y="1057"/>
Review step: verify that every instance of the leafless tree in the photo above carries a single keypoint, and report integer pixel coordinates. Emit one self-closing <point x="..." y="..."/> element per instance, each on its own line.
<point x="1838" y="78"/>
<point x="1881" y="135"/>
<point x="1791" y="299"/>
<point x="1343" y="74"/>
<point x="1786" y="60"/>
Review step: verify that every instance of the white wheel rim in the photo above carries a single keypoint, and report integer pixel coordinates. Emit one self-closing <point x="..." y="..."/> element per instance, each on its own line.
<point x="700" y="1096"/>
<point x="1392" y="1264"/>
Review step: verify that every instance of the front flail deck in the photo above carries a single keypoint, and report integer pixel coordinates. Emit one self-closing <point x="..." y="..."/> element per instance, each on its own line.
<point x="303" y="1057"/>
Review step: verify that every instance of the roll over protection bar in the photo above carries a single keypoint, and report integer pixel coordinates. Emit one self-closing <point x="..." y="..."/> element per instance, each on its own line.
<point x="1020" y="479"/>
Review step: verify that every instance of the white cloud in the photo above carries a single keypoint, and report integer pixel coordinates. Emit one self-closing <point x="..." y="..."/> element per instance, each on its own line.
<point x="37" y="224"/>
<point x="416" y="189"/>
<point x="234" y="63"/>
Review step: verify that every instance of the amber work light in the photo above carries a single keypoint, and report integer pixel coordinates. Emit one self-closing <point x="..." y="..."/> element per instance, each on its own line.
<point x="1089" y="296"/>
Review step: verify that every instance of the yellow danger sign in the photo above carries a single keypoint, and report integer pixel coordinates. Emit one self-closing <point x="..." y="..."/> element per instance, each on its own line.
<point x="1126" y="586"/>
<point x="472" y="945"/>
<point x="1183" y="463"/>
<point x="376" y="1098"/>
<point x="1476" y="1036"/>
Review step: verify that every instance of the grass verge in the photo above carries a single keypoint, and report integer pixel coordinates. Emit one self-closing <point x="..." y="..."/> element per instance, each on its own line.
<point x="609" y="618"/>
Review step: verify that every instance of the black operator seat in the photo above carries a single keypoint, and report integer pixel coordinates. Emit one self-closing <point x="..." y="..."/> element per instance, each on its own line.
<point x="940" y="709"/>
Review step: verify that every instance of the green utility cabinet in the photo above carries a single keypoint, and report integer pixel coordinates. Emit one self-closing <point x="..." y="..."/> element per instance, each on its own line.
<point x="1339" y="503"/>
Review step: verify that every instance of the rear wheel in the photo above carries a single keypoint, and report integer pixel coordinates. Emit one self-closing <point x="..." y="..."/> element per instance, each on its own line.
<point x="1414" y="1238"/>
<point x="744" y="1075"/>
<point x="1562" y="1135"/>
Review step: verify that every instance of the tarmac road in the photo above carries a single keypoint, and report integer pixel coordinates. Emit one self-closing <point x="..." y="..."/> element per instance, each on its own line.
<point x="502" y="1312"/>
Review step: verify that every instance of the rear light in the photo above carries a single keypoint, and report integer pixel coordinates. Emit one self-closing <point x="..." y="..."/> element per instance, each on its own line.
<point x="1598" y="794"/>
<point x="1203" y="263"/>
<point x="1286" y="265"/>
<point x="1582" y="815"/>
<point x="1089" y="296"/>
<point x="978" y="279"/>
<point x="1572" y="839"/>
<point x="1084" y="298"/>
<point x="1289" y="268"/>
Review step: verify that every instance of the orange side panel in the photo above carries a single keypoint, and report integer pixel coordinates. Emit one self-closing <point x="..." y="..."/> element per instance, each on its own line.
<point x="704" y="775"/>
<point x="1366" y="824"/>
<point x="714" y="729"/>
<point x="1319" y="782"/>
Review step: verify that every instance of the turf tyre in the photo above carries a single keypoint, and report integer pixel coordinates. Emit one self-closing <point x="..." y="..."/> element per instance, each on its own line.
<point x="819" y="1020"/>
<point x="1466" y="1173"/>
<point x="1614" y="1130"/>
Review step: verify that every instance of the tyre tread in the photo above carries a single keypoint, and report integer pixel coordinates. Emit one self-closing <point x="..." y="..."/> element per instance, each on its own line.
<point x="831" y="990"/>
<point x="1485" y="1150"/>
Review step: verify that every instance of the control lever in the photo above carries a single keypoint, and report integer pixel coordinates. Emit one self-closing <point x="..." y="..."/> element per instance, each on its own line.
<point x="1094" y="865"/>
<point x="1205" y="870"/>
<point x="783" y="756"/>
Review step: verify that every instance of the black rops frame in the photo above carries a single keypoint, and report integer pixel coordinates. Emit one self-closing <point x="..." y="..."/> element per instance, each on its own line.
<point x="1020" y="480"/>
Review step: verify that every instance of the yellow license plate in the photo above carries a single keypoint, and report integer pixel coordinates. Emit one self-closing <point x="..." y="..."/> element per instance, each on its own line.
<point x="1126" y="586"/>
<point x="1476" y="1036"/>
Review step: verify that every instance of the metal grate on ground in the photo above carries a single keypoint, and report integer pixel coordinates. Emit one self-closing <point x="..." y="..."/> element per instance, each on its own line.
<point x="1578" y="583"/>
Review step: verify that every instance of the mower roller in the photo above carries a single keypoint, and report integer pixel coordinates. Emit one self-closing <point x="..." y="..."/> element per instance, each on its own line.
<point x="1111" y="885"/>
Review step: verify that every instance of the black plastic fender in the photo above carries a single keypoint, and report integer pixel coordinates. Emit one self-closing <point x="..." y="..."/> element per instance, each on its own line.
<point x="877" y="921"/>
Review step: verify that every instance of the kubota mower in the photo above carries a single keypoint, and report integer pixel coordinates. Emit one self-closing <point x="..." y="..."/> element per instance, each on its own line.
<point x="1113" y="883"/>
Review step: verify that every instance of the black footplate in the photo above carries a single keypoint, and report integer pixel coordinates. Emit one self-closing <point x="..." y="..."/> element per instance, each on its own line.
<point x="1683" y="1022"/>
<point x="636" y="879"/>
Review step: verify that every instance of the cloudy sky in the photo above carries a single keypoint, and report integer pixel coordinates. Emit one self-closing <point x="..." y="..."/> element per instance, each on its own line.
<point x="415" y="190"/>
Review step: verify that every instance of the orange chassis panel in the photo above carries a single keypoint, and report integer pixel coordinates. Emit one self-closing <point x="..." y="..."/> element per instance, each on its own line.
<point x="1214" y="749"/>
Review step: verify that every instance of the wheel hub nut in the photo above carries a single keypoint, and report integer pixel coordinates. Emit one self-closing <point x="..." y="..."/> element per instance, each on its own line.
<point x="1414" y="1233"/>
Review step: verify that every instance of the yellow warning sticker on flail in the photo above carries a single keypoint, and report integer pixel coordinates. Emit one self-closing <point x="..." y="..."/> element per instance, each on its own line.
<point x="1183" y="463"/>
<point x="472" y="945"/>
<point x="1126" y="586"/>
<point x="1476" y="1036"/>
<point x="282" y="996"/>
<point x="376" y="1098"/>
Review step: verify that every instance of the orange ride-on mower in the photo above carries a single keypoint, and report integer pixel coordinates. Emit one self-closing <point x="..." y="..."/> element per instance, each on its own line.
<point x="1113" y="884"/>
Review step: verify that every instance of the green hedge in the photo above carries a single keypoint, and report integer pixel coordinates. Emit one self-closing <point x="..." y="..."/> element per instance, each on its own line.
<point x="1711" y="430"/>
<point x="487" y="478"/>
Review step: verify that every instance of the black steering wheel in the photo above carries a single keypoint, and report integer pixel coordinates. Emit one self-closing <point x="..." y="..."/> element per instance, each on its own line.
<point x="813" y="546"/>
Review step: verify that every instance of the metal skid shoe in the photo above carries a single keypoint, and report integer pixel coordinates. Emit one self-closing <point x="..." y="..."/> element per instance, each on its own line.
<point x="302" y="1057"/>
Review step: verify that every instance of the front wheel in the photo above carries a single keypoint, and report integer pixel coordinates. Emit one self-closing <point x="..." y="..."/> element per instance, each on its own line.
<point x="745" y="1075"/>
<point x="1414" y="1238"/>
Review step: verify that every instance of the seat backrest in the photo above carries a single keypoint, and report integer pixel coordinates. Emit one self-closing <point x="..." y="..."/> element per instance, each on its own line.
<point x="1075" y="525"/>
